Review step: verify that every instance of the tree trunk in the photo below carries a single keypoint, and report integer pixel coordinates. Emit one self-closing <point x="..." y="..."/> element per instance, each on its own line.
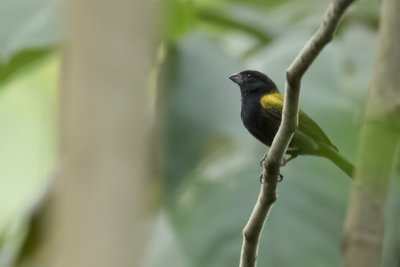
<point x="364" y="226"/>
<point x="102" y="201"/>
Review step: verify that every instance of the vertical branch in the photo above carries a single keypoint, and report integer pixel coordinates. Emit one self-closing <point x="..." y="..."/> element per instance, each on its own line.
<point x="105" y="196"/>
<point x="103" y="201"/>
<point x="268" y="192"/>
<point x="364" y="226"/>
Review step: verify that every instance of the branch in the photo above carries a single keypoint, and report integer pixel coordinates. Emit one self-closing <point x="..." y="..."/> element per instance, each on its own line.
<point x="364" y="226"/>
<point x="271" y="166"/>
<point x="102" y="202"/>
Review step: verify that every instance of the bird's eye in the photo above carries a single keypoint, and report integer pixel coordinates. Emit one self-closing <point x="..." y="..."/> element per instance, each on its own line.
<point x="249" y="76"/>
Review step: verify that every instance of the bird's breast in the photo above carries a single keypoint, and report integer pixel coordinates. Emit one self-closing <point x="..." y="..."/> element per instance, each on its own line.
<point x="259" y="123"/>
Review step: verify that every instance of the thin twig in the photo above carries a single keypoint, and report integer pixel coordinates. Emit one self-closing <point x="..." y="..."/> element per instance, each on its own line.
<point x="271" y="166"/>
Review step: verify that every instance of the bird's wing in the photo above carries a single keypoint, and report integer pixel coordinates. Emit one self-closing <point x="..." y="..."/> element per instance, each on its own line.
<point x="308" y="126"/>
<point x="273" y="105"/>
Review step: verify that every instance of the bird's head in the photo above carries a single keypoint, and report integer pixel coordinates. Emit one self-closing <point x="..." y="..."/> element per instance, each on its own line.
<point x="253" y="82"/>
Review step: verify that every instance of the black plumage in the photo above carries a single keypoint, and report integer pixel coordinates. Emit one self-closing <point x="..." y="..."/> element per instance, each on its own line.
<point x="261" y="114"/>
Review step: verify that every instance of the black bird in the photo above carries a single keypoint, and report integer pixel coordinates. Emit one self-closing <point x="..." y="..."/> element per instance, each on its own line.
<point x="261" y="114"/>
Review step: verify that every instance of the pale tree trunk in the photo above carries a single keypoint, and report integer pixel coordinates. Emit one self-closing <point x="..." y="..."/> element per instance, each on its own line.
<point x="364" y="226"/>
<point x="102" y="202"/>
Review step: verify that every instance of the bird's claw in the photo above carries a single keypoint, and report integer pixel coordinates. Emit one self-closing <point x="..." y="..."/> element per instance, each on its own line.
<point x="280" y="176"/>
<point x="263" y="159"/>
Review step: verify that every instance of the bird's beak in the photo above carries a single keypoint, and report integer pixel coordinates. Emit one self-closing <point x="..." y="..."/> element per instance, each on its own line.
<point x="236" y="78"/>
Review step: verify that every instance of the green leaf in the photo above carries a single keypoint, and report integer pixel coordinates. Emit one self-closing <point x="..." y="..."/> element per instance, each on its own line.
<point x="28" y="115"/>
<point x="178" y="18"/>
<point x="29" y="30"/>
<point x="21" y="60"/>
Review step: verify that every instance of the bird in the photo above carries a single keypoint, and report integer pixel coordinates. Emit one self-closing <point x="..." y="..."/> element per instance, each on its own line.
<point x="261" y="114"/>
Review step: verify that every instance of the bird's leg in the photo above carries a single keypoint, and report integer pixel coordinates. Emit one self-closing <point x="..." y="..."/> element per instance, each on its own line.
<point x="285" y="161"/>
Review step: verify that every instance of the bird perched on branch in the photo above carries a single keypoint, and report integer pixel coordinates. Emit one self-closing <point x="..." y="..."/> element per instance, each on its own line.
<point x="261" y="114"/>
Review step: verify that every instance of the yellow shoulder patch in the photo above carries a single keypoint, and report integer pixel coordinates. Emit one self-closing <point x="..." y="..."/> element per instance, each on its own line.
<point x="273" y="100"/>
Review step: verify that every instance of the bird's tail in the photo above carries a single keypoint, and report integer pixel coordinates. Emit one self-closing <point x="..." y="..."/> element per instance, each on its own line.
<point x="338" y="159"/>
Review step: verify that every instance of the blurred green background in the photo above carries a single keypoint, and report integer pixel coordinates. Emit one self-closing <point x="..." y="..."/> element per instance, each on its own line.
<point x="210" y="164"/>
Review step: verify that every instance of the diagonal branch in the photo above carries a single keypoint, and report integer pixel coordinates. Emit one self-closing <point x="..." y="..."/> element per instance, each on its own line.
<point x="268" y="192"/>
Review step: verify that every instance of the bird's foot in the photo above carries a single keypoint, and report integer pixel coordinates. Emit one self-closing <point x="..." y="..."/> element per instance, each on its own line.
<point x="263" y="158"/>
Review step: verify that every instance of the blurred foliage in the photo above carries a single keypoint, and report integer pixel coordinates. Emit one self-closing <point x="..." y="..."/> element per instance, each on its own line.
<point x="180" y="19"/>
<point x="28" y="112"/>
<point x="210" y="162"/>
<point x="21" y="60"/>
<point x="28" y="32"/>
